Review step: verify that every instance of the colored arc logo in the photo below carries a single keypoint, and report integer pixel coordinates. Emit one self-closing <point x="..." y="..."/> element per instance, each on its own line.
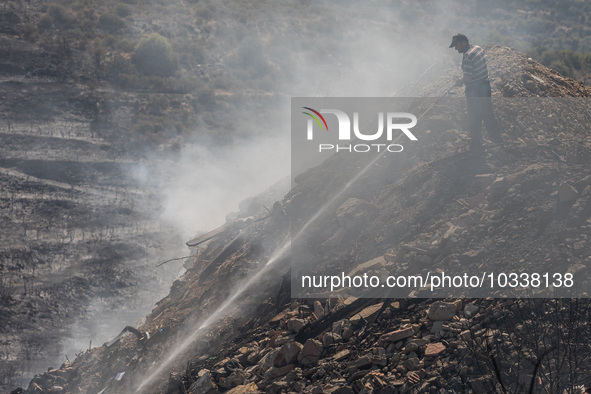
<point x="315" y="118"/>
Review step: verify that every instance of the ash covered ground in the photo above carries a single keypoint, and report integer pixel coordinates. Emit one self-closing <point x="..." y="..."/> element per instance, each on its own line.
<point x="230" y="325"/>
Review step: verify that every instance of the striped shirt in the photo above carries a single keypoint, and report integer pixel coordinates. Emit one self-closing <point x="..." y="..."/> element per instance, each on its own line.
<point x="474" y="64"/>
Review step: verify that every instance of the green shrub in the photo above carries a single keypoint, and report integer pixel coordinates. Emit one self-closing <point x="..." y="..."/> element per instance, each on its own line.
<point x="564" y="61"/>
<point x="154" y="56"/>
<point x="562" y="68"/>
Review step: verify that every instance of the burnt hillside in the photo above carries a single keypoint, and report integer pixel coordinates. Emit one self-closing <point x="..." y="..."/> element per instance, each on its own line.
<point x="229" y="324"/>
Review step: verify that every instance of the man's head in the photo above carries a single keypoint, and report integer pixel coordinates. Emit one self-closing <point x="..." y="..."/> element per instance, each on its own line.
<point x="460" y="43"/>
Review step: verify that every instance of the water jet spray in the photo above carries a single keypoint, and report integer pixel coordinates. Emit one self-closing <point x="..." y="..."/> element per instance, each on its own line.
<point x="275" y="256"/>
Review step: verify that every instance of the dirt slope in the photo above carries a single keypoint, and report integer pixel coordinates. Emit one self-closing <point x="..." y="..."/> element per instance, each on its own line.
<point x="523" y="207"/>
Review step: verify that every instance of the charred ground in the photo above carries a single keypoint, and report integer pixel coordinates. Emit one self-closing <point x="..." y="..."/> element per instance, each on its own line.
<point x="521" y="207"/>
<point x="76" y="114"/>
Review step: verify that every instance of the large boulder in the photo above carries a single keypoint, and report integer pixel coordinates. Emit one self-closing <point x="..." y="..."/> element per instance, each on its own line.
<point x="204" y="384"/>
<point x="310" y="353"/>
<point x="288" y="353"/>
<point x="397" y="335"/>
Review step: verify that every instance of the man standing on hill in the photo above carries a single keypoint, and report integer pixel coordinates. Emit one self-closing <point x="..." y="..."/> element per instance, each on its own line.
<point x="478" y="93"/>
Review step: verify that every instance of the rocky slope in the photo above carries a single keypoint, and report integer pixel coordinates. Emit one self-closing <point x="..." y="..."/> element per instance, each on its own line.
<point x="229" y="324"/>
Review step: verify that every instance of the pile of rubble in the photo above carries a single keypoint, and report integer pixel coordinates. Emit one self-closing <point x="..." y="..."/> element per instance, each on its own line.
<point x="387" y="347"/>
<point x="416" y="346"/>
<point x="381" y="346"/>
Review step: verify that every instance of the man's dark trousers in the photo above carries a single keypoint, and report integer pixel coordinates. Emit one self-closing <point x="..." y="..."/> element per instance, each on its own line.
<point x="478" y="97"/>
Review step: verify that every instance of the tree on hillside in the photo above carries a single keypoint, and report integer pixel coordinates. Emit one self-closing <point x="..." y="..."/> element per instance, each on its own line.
<point x="154" y="56"/>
